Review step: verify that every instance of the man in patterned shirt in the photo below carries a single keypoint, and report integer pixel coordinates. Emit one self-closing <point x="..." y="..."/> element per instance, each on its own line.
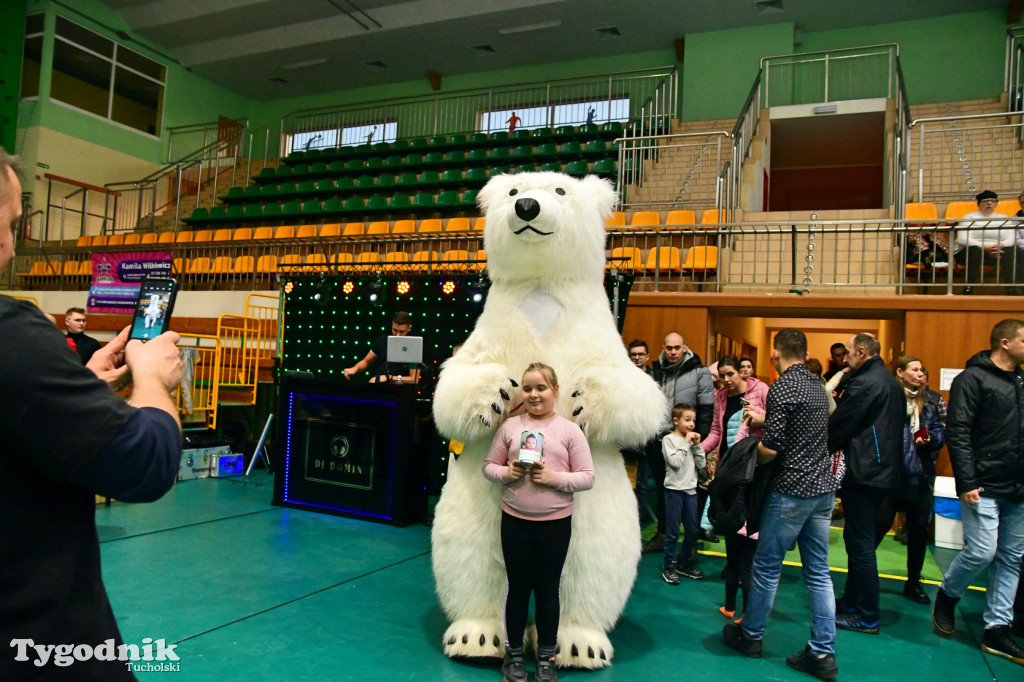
<point x="799" y="507"/>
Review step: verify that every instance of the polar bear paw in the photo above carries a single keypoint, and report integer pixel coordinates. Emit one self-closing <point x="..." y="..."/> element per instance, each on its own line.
<point x="475" y="638"/>
<point x="578" y="646"/>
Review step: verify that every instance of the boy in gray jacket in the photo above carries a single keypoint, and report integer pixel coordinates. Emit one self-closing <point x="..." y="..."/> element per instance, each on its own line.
<point x="684" y="465"/>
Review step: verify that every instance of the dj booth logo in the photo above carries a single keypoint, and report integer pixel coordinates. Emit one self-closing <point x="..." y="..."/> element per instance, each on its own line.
<point x="339" y="453"/>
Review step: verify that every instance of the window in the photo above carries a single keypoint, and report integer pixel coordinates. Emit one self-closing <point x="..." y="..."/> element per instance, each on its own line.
<point x="32" y="56"/>
<point x="576" y="113"/>
<point x="97" y="75"/>
<point x="351" y="136"/>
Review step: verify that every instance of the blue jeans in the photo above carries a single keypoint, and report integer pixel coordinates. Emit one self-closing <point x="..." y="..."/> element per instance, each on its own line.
<point x="787" y="518"/>
<point x="993" y="534"/>
<point x="680" y="506"/>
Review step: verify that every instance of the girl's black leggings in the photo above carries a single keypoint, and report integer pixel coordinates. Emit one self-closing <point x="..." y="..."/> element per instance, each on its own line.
<point x="534" y="553"/>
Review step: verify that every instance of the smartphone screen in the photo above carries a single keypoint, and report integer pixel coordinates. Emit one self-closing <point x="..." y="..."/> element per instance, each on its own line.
<point x="153" y="308"/>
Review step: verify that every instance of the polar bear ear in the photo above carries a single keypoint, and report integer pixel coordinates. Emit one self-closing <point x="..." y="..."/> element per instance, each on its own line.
<point x="495" y="187"/>
<point x="602" y="192"/>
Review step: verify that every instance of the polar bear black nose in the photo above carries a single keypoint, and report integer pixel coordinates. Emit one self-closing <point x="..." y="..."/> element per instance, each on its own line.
<point x="527" y="209"/>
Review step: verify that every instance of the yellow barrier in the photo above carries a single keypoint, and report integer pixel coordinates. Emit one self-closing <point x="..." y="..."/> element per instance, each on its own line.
<point x="201" y="358"/>
<point x="24" y="298"/>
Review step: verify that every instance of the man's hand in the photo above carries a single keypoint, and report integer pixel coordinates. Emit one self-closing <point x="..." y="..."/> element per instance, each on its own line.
<point x="350" y="372"/>
<point x="516" y="470"/>
<point x="753" y="417"/>
<point x="108" y="362"/>
<point x="156" y="360"/>
<point x="971" y="497"/>
<point x="993" y="250"/>
<point x="542" y="475"/>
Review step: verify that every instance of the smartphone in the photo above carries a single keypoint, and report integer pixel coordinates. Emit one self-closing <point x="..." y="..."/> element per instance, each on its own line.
<point x="153" y="308"/>
<point x="744" y="402"/>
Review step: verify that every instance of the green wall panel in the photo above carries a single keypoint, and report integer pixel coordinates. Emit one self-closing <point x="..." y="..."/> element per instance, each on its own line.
<point x="12" y="41"/>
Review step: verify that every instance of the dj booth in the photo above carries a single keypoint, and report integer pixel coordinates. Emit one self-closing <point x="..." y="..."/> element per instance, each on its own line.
<point x="355" y="448"/>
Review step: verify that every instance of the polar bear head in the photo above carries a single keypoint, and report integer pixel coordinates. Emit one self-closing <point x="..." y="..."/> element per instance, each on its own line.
<point x="545" y="225"/>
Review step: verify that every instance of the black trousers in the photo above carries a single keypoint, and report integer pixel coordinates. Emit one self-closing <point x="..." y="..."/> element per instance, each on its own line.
<point x="917" y="505"/>
<point x="656" y="465"/>
<point x="739" y="560"/>
<point x="974" y="259"/>
<point x="867" y="512"/>
<point x="534" y="553"/>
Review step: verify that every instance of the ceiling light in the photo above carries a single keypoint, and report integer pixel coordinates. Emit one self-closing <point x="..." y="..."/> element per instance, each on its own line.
<point x="308" y="62"/>
<point x="529" y="27"/>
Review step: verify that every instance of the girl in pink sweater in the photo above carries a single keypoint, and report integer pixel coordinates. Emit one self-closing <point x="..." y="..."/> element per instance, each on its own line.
<point x="536" y="519"/>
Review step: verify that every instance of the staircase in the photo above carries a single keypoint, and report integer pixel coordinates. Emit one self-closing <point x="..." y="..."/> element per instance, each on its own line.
<point x="164" y="219"/>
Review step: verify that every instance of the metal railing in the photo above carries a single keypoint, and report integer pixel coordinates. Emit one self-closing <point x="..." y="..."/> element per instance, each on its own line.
<point x="185" y="141"/>
<point x="743" y="134"/>
<point x="652" y="93"/>
<point x="679" y="170"/>
<point x="1013" y="70"/>
<point x="817" y="255"/>
<point x="268" y="310"/>
<point x="830" y="75"/>
<point x="957" y="155"/>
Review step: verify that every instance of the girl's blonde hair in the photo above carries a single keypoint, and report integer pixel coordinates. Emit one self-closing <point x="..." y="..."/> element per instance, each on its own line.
<point x="544" y="370"/>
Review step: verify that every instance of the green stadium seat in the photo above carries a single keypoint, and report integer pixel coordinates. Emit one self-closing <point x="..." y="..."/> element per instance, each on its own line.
<point x="354" y="205"/>
<point x="407" y="178"/>
<point x="199" y="214"/>
<point x="376" y="203"/>
<point x="429" y="177"/>
<point x="400" y="201"/>
<point x="520" y="135"/>
<point x="305" y="187"/>
<point x="564" y="132"/>
<point x="393" y="161"/>
<point x="587" y="130"/>
<point x="523" y="168"/>
<point x="476" y="175"/>
<point x="354" y="164"/>
<point x="455" y="156"/>
<point x="469" y="197"/>
<point x="434" y="158"/>
<point x="571" y="148"/>
<point x="438" y="141"/>
<point x="452" y="177"/>
<point x="547" y="149"/>
<point x="267" y="172"/>
<point x="382" y="148"/>
<point x="477" y="156"/>
<point x="385" y="180"/>
<point x="325" y="185"/>
<point x="478" y="139"/>
<point x="291" y="208"/>
<point x="364" y="182"/>
<point x="418" y="143"/>
<point x="296" y="156"/>
<point x="363" y="150"/>
<point x="345" y="183"/>
<point x="522" y="152"/>
<point x="604" y="167"/>
<point x="414" y="160"/>
<point x="234" y="212"/>
<point x="272" y="210"/>
<point x="499" y="137"/>
<point x="318" y="168"/>
<point x="374" y="162"/>
<point x="235" y="192"/>
<point x="613" y="128"/>
<point x="543" y="134"/>
<point x="423" y="200"/>
<point x="217" y="213"/>
<point x="312" y="207"/>
<point x="457" y="141"/>
<point x="447" y="199"/>
<point x="551" y="167"/>
<point x="577" y="169"/>
<point x="595" y="147"/>
<point x="335" y="166"/>
<point x="269" y="190"/>
<point x="284" y="172"/>
<point x="254" y="191"/>
<point x="500" y="170"/>
<point x="333" y="205"/>
<point x="500" y="153"/>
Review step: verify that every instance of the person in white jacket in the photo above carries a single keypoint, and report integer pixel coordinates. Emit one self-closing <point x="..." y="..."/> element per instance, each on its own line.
<point x="986" y="238"/>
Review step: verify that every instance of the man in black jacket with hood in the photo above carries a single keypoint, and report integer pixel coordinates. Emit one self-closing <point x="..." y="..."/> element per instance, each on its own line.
<point x="985" y="434"/>
<point x="868" y="427"/>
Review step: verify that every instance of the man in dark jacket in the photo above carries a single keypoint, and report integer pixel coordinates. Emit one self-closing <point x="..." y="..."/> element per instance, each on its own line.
<point x="985" y="435"/>
<point x="683" y="379"/>
<point x="868" y="427"/>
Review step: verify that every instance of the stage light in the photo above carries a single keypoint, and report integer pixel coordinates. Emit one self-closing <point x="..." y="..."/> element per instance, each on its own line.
<point x="403" y="287"/>
<point x="348" y="287"/>
<point x="289" y="287"/>
<point x="448" y="287"/>
<point x="478" y="297"/>
<point x="376" y="291"/>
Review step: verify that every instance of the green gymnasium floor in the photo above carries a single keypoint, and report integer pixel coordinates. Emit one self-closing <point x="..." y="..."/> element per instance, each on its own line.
<point x="250" y="591"/>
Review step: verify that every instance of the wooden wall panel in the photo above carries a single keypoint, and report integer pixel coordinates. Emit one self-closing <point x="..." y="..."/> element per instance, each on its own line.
<point x="651" y="320"/>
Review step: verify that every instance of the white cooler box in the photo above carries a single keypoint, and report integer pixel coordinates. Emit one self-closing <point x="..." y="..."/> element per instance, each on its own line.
<point x="949" y="533"/>
<point x="197" y="462"/>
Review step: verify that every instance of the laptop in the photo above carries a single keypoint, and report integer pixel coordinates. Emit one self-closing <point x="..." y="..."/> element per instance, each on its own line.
<point x="405" y="349"/>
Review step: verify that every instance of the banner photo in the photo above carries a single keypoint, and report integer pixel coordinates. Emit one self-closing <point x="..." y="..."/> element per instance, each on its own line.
<point x="116" y="278"/>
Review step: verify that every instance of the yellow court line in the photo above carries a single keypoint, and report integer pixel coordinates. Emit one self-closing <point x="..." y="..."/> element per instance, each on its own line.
<point x="844" y="570"/>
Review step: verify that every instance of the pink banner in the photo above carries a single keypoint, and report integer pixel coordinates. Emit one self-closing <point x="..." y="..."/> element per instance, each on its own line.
<point x="116" y="278"/>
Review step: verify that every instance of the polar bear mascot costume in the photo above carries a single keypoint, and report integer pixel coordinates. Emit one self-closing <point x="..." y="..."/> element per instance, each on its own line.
<point x="545" y="240"/>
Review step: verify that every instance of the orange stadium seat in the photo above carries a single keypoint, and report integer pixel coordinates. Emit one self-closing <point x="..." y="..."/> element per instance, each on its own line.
<point x="958" y="209"/>
<point x="242" y="234"/>
<point x="343" y="260"/>
<point x="701" y="259"/>
<point x="115" y="240"/>
<point x="429" y="225"/>
<point x="396" y="261"/>
<point x="424" y="261"/>
<point x="244" y="265"/>
<point x="290" y="263"/>
<point x="367" y="261"/>
<point x="330" y="230"/>
<point x="645" y="219"/>
<point x="222" y="265"/>
<point x="1008" y="207"/>
<point x="710" y="217"/>
<point x="166" y="237"/>
<point x="457" y="225"/>
<point x="625" y="258"/>
<point x="99" y="240"/>
<point x="379" y="227"/>
<point x="616" y="219"/>
<point x="404" y="227"/>
<point x="662" y="259"/>
<point x="455" y="260"/>
<point x="199" y="266"/>
<point x="306" y="232"/>
<point x="266" y="265"/>
<point x="150" y="238"/>
<point x="184" y="237"/>
<point x="132" y="239"/>
<point x="681" y="217"/>
<point x="354" y="230"/>
<point x="285" y="232"/>
<point x="84" y="241"/>
<point x="920" y="211"/>
<point x="263" y="234"/>
<point x="222" y="235"/>
<point x="479" y="224"/>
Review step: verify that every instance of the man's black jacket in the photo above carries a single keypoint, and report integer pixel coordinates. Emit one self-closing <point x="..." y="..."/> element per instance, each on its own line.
<point x="985" y="429"/>
<point x="868" y="426"/>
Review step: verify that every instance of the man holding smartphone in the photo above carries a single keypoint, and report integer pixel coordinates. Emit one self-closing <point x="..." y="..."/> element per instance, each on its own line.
<point x="67" y="437"/>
